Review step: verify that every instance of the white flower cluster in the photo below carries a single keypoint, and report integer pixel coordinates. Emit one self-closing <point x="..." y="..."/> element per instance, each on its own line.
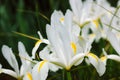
<point x="70" y="41"/>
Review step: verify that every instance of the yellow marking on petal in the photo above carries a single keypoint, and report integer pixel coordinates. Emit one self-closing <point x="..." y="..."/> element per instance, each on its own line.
<point x="118" y="35"/>
<point x="92" y="35"/>
<point x="93" y="55"/>
<point x="29" y="76"/>
<point x="96" y="22"/>
<point x="39" y="41"/>
<point x="103" y="58"/>
<point x="62" y="19"/>
<point x="73" y="45"/>
<point x="41" y="65"/>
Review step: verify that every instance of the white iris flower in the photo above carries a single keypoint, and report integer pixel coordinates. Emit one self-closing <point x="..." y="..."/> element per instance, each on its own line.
<point x="26" y="66"/>
<point x="66" y="48"/>
<point x="63" y="50"/>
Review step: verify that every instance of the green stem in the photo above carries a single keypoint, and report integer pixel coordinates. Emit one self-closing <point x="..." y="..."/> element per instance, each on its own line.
<point x="66" y="75"/>
<point x="63" y="75"/>
<point x="114" y="15"/>
<point x="80" y="67"/>
<point x="69" y="77"/>
<point x="109" y="10"/>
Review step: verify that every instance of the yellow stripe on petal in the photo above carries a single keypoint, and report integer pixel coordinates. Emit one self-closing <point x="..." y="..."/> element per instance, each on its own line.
<point x="62" y="19"/>
<point x="29" y="76"/>
<point x="38" y="42"/>
<point x="96" y="22"/>
<point x="93" y="55"/>
<point x="41" y="65"/>
<point x="73" y="45"/>
<point x="103" y="58"/>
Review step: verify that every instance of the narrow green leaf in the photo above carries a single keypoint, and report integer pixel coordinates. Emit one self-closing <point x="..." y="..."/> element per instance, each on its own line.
<point x="25" y="35"/>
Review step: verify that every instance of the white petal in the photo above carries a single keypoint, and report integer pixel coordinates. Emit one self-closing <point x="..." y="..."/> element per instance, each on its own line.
<point x="25" y="58"/>
<point x="58" y="61"/>
<point x="101" y="68"/>
<point x="56" y="42"/>
<point x="114" y="41"/>
<point x="76" y="6"/>
<point x="28" y="76"/>
<point x="97" y="63"/>
<point x="10" y="72"/>
<point x="82" y="43"/>
<point x="104" y="59"/>
<point x="104" y="52"/>
<point x="55" y="18"/>
<point x="43" y="40"/>
<point x="0" y="68"/>
<point x="40" y="71"/>
<point x="23" y="53"/>
<point x="76" y="30"/>
<point x="40" y="35"/>
<point x="118" y="3"/>
<point x="77" y="59"/>
<point x="9" y="56"/>
<point x="53" y="67"/>
<point x="25" y="68"/>
<point x="68" y="21"/>
<point x="114" y="57"/>
<point x="45" y="53"/>
<point x="35" y="48"/>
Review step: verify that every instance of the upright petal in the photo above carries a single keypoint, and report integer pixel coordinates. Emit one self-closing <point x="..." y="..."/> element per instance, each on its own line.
<point x="36" y="48"/>
<point x="114" y="41"/>
<point x="42" y="40"/>
<point x="56" y="43"/>
<point x="23" y="53"/>
<point x="56" y="18"/>
<point x="9" y="56"/>
<point x="76" y="6"/>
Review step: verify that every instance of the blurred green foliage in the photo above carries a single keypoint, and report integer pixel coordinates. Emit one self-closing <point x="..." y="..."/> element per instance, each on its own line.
<point x="24" y="16"/>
